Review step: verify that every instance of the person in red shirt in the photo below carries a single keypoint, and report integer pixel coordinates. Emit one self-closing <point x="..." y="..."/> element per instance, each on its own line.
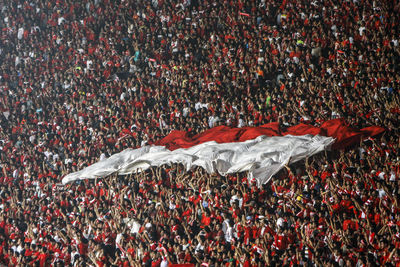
<point x="43" y="257"/>
<point x="280" y="240"/>
<point x="206" y="219"/>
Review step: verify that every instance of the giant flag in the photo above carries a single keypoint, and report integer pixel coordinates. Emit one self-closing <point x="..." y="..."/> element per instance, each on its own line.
<point x="261" y="151"/>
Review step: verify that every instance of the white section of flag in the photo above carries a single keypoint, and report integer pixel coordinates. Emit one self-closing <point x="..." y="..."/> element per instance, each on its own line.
<point x="261" y="157"/>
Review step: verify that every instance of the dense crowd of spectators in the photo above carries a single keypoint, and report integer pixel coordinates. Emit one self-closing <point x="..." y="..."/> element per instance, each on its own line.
<point x="82" y="80"/>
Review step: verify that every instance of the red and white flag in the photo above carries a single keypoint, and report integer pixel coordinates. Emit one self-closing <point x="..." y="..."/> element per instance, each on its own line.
<point x="261" y="151"/>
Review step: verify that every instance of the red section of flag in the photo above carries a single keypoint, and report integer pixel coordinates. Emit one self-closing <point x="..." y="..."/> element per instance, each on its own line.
<point x="345" y="135"/>
<point x="270" y="129"/>
<point x="337" y="128"/>
<point x="219" y="134"/>
<point x="302" y="128"/>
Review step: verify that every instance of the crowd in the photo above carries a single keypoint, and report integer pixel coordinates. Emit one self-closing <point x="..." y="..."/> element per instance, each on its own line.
<point x="82" y="80"/>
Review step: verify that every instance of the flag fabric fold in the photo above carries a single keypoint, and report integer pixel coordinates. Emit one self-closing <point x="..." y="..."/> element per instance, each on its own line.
<point x="261" y="151"/>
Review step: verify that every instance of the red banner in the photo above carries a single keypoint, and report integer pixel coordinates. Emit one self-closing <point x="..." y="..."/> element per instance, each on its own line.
<point x="337" y="128"/>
